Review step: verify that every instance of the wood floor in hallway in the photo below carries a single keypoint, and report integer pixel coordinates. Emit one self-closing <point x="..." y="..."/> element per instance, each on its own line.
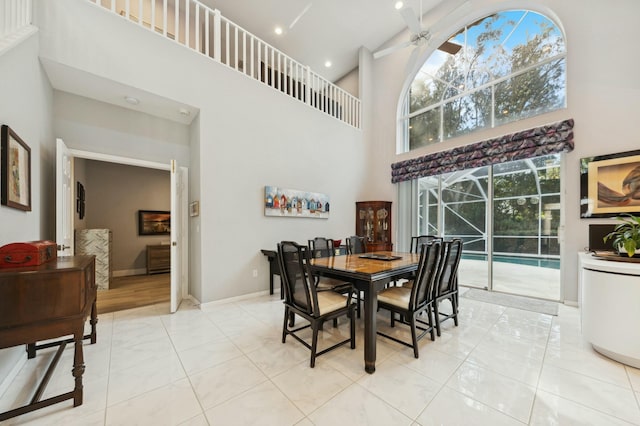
<point x="134" y="291"/>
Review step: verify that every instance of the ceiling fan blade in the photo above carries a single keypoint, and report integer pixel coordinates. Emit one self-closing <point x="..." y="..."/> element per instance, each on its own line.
<point x="300" y="15"/>
<point x="384" y="52"/>
<point x="410" y="18"/>
<point x="450" y="48"/>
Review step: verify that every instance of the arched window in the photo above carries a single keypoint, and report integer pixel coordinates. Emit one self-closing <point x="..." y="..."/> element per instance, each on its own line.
<point x="511" y="65"/>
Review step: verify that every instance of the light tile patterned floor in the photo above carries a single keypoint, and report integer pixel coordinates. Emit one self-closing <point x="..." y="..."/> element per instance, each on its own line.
<point x="226" y="366"/>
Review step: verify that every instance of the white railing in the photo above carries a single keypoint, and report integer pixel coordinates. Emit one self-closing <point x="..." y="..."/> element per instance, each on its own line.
<point x="207" y="32"/>
<point x="14" y="16"/>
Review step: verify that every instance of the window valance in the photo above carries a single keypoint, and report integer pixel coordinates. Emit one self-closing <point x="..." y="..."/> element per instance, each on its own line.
<point x="543" y="140"/>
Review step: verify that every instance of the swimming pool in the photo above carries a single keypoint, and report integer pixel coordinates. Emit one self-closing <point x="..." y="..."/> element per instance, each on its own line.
<point x="541" y="262"/>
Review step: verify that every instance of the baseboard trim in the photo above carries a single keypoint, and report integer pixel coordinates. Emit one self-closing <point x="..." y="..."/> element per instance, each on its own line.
<point x="129" y="272"/>
<point x="572" y="303"/>
<point x="211" y="305"/>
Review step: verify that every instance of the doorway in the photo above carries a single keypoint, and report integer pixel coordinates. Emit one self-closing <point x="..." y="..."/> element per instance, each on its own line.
<point x="178" y="235"/>
<point x="508" y="216"/>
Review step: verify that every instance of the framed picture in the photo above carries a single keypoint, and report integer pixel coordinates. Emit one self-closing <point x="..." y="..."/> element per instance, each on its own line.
<point x="610" y="184"/>
<point x="16" y="171"/>
<point x="294" y="203"/>
<point x="154" y="222"/>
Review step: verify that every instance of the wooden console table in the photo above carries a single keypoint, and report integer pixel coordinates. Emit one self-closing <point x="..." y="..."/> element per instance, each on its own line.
<point x="47" y="302"/>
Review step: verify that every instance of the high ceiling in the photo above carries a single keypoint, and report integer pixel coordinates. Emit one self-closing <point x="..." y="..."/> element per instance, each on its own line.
<point x="323" y="30"/>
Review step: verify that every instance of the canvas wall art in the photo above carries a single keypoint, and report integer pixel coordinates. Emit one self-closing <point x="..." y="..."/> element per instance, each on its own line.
<point x="610" y="184"/>
<point x="284" y="202"/>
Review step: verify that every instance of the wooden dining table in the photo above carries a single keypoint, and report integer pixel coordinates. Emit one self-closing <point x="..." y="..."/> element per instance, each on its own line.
<point x="369" y="275"/>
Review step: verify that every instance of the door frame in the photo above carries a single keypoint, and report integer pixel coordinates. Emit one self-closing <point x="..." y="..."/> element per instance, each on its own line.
<point x="128" y="161"/>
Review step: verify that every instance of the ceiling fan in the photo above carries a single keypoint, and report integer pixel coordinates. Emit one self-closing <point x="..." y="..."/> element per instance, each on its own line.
<point x="421" y="36"/>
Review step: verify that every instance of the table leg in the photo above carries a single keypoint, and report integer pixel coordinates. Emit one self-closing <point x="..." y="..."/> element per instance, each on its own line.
<point x="270" y="282"/>
<point x="370" y="329"/>
<point x="93" y="321"/>
<point x="78" y="368"/>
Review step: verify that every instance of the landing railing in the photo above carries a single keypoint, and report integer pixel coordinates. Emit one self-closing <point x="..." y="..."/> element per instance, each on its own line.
<point x="15" y="21"/>
<point x="207" y="32"/>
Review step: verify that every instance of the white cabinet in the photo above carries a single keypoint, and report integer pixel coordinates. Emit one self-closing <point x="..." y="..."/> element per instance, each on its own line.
<point x="97" y="242"/>
<point x="610" y="302"/>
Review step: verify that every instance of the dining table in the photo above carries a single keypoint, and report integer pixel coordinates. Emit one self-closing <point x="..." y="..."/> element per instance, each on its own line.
<point x="369" y="273"/>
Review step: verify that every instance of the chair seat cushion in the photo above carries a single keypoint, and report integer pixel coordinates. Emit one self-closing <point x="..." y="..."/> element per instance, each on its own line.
<point x="329" y="301"/>
<point x="325" y="283"/>
<point x="396" y="296"/>
<point x="408" y="284"/>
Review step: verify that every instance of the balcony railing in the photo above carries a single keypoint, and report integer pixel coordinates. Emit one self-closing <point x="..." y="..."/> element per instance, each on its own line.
<point x="207" y="32"/>
<point x="15" y="21"/>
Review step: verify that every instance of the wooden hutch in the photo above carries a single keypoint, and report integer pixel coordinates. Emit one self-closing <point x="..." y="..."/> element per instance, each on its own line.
<point x="373" y="221"/>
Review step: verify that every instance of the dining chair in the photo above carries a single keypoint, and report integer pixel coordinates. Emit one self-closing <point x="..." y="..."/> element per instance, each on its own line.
<point x="416" y="245"/>
<point x="446" y="287"/>
<point x="303" y="298"/>
<point x="323" y="247"/>
<point x="411" y="302"/>
<point x="356" y="244"/>
<point x="417" y="242"/>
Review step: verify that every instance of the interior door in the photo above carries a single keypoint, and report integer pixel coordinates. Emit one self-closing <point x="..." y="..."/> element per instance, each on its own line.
<point x="178" y="235"/>
<point x="64" y="193"/>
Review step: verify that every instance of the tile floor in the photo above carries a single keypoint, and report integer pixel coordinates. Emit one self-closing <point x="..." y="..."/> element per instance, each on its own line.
<point x="226" y="366"/>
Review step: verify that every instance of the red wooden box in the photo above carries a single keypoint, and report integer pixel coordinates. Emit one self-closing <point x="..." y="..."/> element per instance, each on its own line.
<point x="31" y="253"/>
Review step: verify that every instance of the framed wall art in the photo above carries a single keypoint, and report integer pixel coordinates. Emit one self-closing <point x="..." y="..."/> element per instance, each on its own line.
<point x="154" y="222"/>
<point x="15" y="159"/>
<point x="610" y="185"/>
<point x="294" y="203"/>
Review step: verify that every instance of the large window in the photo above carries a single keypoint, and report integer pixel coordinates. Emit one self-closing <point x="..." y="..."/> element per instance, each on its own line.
<point x="511" y="65"/>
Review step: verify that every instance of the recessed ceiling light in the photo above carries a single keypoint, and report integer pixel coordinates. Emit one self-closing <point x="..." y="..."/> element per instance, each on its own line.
<point x="132" y="100"/>
<point x="328" y="64"/>
<point x="278" y="30"/>
<point x="399" y="5"/>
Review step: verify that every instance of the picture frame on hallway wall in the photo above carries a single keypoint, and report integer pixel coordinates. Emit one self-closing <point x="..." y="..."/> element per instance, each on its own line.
<point x="15" y="160"/>
<point x="610" y="185"/>
<point x="283" y="202"/>
<point x="154" y="222"/>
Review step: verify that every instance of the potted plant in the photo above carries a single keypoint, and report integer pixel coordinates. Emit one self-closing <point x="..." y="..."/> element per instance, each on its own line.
<point x="626" y="235"/>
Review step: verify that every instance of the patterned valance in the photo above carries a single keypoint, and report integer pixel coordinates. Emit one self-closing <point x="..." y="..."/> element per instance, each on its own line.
<point x="544" y="140"/>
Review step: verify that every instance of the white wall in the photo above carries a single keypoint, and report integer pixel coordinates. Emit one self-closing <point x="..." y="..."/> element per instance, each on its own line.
<point x="603" y="98"/>
<point x="249" y="136"/>
<point x="26" y="108"/>
<point x="89" y="125"/>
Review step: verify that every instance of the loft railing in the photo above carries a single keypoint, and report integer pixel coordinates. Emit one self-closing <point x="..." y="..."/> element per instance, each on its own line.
<point x="14" y="15"/>
<point x="15" y="21"/>
<point x="207" y="32"/>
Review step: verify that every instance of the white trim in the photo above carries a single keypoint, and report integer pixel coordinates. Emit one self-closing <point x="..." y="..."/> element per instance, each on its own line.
<point x="10" y="41"/>
<point x="88" y="155"/>
<point x="571" y="303"/>
<point x="129" y="272"/>
<point x="210" y="305"/>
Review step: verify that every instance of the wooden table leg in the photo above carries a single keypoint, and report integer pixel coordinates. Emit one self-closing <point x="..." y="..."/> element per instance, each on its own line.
<point x="93" y="321"/>
<point x="370" y="329"/>
<point x="78" y="368"/>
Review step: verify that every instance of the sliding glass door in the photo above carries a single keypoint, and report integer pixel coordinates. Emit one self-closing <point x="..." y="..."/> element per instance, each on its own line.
<point x="507" y="216"/>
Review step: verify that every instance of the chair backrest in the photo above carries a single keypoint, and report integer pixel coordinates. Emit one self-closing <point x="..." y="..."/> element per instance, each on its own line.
<point x="356" y="244"/>
<point x="296" y="276"/>
<point x="321" y="247"/>
<point x="428" y="267"/>
<point x="419" y="241"/>
<point x="448" y="274"/>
